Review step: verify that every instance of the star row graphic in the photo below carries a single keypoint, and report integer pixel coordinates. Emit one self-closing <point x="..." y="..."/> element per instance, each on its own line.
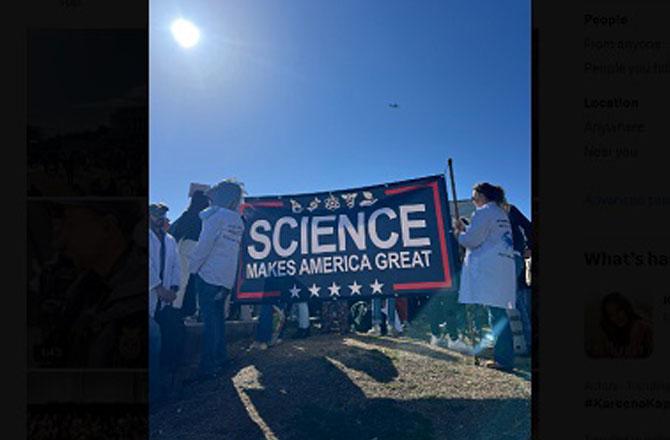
<point x="334" y="288"/>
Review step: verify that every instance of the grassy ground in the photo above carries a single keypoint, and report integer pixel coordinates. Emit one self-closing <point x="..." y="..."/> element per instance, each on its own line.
<point x="351" y="387"/>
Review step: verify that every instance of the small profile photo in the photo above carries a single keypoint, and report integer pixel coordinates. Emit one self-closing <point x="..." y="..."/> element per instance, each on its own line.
<point x="619" y="327"/>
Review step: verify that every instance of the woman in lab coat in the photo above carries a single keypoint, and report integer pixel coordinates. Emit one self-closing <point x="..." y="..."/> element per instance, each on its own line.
<point x="488" y="276"/>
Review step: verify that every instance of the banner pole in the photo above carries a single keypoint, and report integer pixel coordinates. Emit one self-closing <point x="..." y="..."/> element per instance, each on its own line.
<point x="453" y="188"/>
<point x="468" y="313"/>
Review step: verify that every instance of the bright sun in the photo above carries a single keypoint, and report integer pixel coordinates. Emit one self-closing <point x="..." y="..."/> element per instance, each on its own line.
<point x="185" y="32"/>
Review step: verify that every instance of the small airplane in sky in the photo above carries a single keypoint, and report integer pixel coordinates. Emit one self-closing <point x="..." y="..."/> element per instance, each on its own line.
<point x="393" y="105"/>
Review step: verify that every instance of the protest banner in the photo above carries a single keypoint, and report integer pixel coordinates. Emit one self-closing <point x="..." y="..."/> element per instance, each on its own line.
<point x="386" y="240"/>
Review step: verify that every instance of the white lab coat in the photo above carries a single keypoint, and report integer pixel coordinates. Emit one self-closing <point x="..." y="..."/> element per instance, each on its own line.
<point x="489" y="274"/>
<point x="215" y="256"/>
<point x="171" y="271"/>
<point x="184" y="247"/>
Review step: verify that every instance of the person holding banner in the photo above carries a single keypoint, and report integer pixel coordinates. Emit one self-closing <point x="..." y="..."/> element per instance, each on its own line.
<point x="271" y="320"/>
<point x="392" y="329"/>
<point x="488" y="276"/>
<point x="303" y="320"/>
<point x="402" y="306"/>
<point x="214" y="263"/>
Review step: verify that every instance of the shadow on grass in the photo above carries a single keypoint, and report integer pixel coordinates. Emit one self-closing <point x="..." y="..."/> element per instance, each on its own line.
<point x="374" y="363"/>
<point x="380" y="419"/>
<point x="393" y="420"/>
<point x="211" y="410"/>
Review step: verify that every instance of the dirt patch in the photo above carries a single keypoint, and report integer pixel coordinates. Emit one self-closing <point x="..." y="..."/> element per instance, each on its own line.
<point x="352" y="387"/>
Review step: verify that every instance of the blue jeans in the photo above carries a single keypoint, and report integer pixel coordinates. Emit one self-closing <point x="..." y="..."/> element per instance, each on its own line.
<point x="264" y="329"/>
<point x="154" y="359"/>
<point x="214" y="332"/>
<point x="266" y="324"/>
<point x="377" y="311"/>
<point x="303" y="315"/>
<point x="503" y="352"/>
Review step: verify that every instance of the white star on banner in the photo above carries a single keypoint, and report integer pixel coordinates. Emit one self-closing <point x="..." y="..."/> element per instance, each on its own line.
<point x="314" y="290"/>
<point x="294" y="291"/>
<point x="376" y="287"/>
<point x="334" y="289"/>
<point x="355" y="288"/>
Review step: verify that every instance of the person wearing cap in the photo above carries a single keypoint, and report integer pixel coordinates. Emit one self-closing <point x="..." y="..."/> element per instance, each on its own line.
<point x="163" y="257"/>
<point x="165" y="277"/>
<point x="214" y="262"/>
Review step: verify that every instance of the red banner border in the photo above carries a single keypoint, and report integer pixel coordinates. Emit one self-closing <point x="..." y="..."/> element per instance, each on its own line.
<point x="428" y="285"/>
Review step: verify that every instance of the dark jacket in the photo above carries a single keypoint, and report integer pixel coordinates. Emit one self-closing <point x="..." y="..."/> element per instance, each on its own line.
<point x="522" y="234"/>
<point x="187" y="226"/>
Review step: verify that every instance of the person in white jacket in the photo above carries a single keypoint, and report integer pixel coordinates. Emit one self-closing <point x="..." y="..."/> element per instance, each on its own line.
<point x="163" y="285"/>
<point x="488" y="276"/>
<point x="214" y="262"/>
<point x="163" y="248"/>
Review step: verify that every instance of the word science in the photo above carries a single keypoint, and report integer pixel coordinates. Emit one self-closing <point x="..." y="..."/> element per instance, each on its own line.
<point x="384" y="240"/>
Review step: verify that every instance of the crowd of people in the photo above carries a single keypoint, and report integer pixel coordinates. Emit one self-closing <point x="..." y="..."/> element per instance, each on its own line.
<point x="193" y="264"/>
<point x="84" y="422"/>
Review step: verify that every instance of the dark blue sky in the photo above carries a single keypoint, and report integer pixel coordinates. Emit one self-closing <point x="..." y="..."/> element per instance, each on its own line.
<point x="293" y="97"/>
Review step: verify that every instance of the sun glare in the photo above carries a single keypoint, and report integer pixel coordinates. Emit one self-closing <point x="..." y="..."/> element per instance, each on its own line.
<point x="185" y="33"/>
